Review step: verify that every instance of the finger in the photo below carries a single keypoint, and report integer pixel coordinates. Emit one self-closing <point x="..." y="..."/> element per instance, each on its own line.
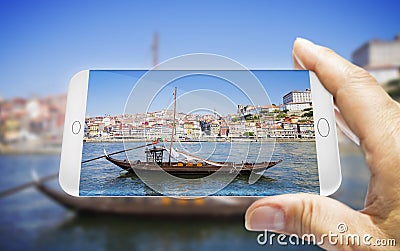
<point x="365" y="106"/>
<point x="341" y="123"/>
<point x="297" y="64"/>
<point x="334" y="71"/>
<point x="304" y="214"/>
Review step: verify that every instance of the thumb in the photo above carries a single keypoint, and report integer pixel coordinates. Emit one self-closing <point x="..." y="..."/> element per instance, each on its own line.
<point x="304" y="214"/>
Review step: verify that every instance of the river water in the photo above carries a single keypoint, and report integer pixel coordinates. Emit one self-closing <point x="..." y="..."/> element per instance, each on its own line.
<point x="297" y="173"/>
<point x="31" y="221"/>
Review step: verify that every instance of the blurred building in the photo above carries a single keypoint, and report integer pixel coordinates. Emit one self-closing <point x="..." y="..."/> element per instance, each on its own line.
<point x="32" y="124"/>
<point x="380" y="57"/>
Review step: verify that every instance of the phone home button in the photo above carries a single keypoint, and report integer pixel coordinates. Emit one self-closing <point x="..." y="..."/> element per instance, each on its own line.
<point x="76" y="127"/>
<point x="323" y="127"/>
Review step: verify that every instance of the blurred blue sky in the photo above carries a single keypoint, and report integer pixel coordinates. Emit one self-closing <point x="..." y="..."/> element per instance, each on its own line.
<point x="43" y="43"/>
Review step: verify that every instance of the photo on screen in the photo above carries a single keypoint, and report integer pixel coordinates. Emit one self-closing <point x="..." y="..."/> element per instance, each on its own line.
<point x="195" y="126"/>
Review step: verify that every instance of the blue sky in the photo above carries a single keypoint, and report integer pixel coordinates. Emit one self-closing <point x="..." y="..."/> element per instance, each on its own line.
<point x="109" y="90"/>
<point x="43" y="43"/>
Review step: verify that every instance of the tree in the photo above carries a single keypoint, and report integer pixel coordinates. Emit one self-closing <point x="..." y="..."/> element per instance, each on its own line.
<point x="248" y="134"/>
<point x="308" y="114"/>
<point x="393" y="83"/>
<point x="393" y="89"/>
<point x="281" y="115"/>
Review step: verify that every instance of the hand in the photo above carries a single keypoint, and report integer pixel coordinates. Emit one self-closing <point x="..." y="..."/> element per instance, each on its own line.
<point x="375" y="118"/>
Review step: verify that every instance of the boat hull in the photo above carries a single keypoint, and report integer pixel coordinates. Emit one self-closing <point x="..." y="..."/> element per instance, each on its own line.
<point x="217" y="207"/>
<point x="175" y="169"/>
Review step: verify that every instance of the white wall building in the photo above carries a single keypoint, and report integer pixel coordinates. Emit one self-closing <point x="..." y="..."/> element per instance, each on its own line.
<point x="296" y="106"/>
<point x="297" y="97"/>
<point x="106" y="121"/>
<point x="297" y="100"/>
<point x="381" y="58"/>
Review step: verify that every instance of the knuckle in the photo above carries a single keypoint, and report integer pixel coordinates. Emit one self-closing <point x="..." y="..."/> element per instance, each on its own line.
<point x="323" y="53"/>
<point x="327" y="51"/>
<point x="355" y="80"/>
<point x="357" y="74"/>
<point x="308" y="211"/>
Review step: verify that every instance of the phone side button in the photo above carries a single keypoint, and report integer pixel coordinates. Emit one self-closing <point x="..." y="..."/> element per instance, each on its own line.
<point x="323" y="127"/>
<point x="76" y="127"/>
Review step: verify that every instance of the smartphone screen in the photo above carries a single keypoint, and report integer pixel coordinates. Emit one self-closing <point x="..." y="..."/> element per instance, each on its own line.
<point x="193" y="127"/>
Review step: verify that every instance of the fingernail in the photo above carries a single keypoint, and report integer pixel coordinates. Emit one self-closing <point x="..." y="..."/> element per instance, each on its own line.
<point x="298" y="61"/>
<point x="266" y="217"/>
<point x="304" y="41"/>
<point x="306" y="44"/>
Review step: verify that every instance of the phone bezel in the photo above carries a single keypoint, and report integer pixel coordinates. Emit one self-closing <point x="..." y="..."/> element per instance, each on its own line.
<point x="329" y="170"/>
<point x="71" y="150"/>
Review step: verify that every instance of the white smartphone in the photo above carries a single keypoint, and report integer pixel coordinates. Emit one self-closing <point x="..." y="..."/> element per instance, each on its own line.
<point x="198" y="134"/>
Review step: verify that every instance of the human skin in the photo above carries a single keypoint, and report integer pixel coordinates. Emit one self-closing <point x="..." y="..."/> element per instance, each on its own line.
<point x="375" y="118"/>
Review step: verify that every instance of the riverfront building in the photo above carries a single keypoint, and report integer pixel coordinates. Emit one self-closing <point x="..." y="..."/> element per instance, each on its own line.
<point x="297" y="100"/>
<point x="298" y="97"/>
<point x="380" y="58"/>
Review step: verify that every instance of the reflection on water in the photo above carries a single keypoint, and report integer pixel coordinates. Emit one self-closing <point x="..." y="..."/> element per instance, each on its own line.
<point x="355" y="175"/>
<point x="297" y="173"/>
<point x="30" y="221"/>
<point x="114" y="233"/>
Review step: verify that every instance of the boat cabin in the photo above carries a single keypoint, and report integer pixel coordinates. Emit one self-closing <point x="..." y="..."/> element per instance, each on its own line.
<point x="155" y="155"/>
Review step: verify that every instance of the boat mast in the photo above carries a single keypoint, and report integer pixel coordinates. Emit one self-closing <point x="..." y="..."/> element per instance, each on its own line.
<point x="173" y="128"/>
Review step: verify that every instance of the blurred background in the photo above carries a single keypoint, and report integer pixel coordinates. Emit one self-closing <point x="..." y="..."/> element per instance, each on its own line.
<point x="44" y="43"/>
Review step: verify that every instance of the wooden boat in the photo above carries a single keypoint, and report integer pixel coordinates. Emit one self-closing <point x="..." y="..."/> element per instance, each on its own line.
<point x="154" y="160"/>
<point x="153" y="206"/>
<point x="200" y="167"/>
<point x="218" y="207"/>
